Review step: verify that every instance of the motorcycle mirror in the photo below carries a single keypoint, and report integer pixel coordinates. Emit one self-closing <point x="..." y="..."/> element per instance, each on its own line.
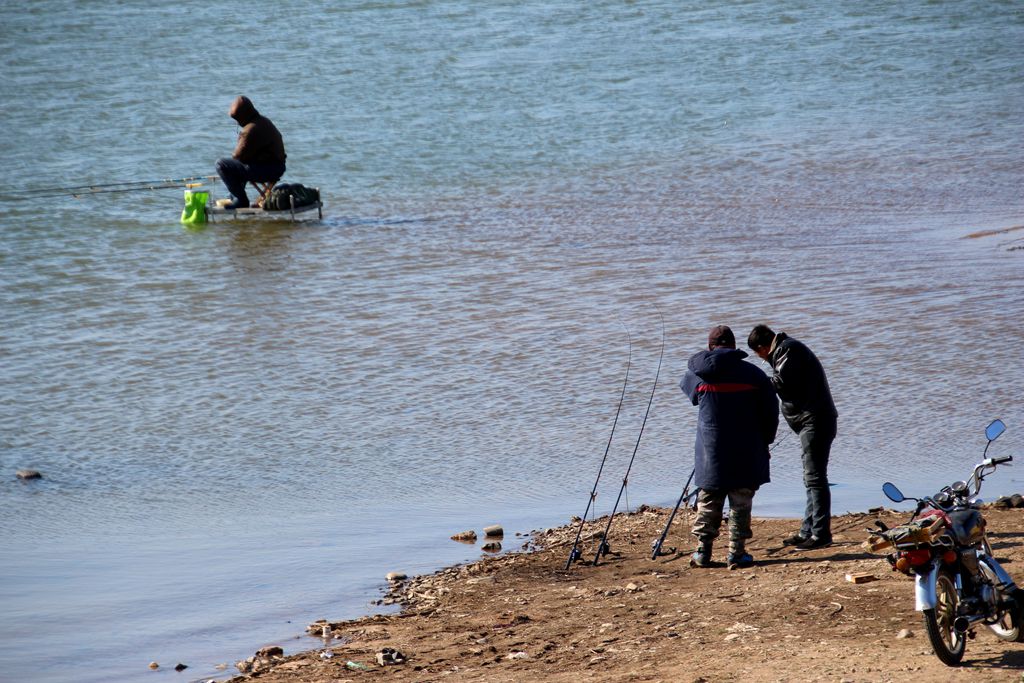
<point x="893" y="493"/>
<point x="995" y="428"/>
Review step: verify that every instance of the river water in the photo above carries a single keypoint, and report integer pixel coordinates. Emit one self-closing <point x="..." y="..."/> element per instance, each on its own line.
<point x="243" y="427"/>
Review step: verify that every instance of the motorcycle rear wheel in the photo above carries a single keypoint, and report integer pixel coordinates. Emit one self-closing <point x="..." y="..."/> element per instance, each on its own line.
<point x="1008" y="626"/>
<point x="948" y="644"/>
<point x="1018" y="596"/>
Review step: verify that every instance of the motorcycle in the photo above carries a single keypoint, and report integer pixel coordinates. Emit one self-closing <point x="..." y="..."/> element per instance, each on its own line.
<point x="958" y="584"/>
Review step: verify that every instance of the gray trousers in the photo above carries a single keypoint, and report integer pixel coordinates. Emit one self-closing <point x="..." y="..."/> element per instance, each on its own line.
<point x="816" y="443"/>
<point x="710" y="503"/>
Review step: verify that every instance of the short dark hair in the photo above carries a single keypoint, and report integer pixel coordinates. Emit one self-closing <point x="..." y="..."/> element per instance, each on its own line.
<point x="760" y="336"/>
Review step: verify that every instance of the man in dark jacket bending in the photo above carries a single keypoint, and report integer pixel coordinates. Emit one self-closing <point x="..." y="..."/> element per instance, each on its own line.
<point x="807" y="405"/>
<point x="259" y="154"/>
<point x="738" y="418"/>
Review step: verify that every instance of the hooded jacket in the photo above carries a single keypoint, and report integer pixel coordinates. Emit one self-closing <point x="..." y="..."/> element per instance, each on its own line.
<point x="800" y="382"/>
<point x="737" y="420"/>
<point x="259" y="141"/>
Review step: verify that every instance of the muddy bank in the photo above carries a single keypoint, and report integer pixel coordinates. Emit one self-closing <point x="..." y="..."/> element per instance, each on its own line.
<point x="796" y="616"/>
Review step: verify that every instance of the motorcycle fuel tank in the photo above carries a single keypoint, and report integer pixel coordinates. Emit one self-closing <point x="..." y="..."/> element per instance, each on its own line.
<point x="968" y="526"/>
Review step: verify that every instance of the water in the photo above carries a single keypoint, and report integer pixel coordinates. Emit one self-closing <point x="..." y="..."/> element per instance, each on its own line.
<point x="244" y="428"/>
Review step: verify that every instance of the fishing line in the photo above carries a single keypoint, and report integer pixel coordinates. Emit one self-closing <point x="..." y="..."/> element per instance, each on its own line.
<point x="602" y="548"/>
<point x="778" y="441"/>
<point x="786" y="435"/>
<point x="574" y="554"/>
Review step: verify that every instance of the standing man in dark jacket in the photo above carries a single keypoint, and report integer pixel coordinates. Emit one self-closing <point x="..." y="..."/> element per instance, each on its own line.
<point x="738" y="418"/>
<point x="807" y="405"/>
<point x="259" y="154"/>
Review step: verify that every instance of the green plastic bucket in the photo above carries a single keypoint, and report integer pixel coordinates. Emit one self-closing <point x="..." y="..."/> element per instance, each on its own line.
<point x="194" y="212"/>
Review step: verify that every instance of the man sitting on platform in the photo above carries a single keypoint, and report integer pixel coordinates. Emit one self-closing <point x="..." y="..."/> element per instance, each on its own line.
<point x="258" y="156"/>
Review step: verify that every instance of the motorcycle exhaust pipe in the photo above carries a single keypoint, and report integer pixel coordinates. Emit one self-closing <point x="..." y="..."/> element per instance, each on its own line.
<point x="962" y="624"/>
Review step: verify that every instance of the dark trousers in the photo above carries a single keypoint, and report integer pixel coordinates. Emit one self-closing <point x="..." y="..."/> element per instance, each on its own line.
<point x="816" y="438"/>
<point x="235" y="175"/>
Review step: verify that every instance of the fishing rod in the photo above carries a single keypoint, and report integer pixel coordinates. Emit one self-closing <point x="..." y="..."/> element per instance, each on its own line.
<point x="602" y="548"/>
<point x="575" y="553"/>
<point x="684" y="496"/>
<point x="169" y="186"/>
<point x="656" y="547"/>
<point x="103" y="188"/>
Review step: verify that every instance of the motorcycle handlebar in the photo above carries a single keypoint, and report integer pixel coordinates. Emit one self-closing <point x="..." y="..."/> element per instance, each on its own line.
<point x="976" y="479"/>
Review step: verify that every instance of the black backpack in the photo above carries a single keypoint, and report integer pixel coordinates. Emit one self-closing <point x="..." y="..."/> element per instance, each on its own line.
<point x="280" y="197"/>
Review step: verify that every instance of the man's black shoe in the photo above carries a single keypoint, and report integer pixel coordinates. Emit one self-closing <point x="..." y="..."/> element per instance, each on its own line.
<point x="795" y="539"/>
<point x="814" y="542"/>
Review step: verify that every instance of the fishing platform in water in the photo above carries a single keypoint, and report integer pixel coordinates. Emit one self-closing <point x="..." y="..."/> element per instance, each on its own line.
<point x="289" y="202"/>
<point x="292" y="213"/>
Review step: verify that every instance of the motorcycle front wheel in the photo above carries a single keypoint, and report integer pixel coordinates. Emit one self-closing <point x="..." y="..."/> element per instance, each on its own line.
<point x="949" y="645"/>
<point x="1007" y="626"/>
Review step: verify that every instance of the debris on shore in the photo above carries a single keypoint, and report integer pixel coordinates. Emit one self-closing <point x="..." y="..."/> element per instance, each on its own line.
<point x="522" y="616"/>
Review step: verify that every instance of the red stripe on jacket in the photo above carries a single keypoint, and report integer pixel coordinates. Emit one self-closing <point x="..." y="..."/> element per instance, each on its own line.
<point x="725" y="387"/>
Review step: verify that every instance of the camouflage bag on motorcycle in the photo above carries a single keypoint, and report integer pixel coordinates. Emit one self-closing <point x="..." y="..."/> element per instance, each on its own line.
<point x="919" y="531"/>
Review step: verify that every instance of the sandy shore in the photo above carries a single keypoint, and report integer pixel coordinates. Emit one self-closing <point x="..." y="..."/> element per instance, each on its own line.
<point x="793" y="617"/>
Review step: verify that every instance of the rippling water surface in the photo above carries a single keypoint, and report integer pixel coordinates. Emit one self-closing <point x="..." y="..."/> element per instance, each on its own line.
<point x="242" y="428"/>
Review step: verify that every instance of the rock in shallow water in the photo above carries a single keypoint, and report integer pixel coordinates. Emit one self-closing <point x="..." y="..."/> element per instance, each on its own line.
<point x="465" y="536"/>
<point x="25" y="475"/>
